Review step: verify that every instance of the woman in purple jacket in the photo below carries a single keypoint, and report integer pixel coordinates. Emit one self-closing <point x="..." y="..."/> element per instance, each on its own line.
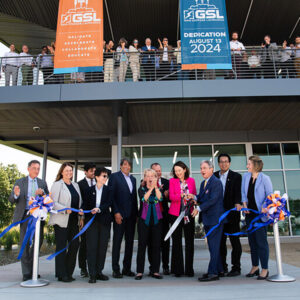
<point x="149" y="225"/>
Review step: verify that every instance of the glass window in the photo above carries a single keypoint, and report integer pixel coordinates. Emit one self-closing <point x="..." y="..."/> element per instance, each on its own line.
<point x="134" y="154"/>
<point x="291" y="156"/>
<point x="293" y="187"/>
<point x="198" y="154"/>
<point x="277" y="180"/>
<point x="270" y="154"/>
<point x="165" y="156"/>
<point x="237" y="154"/>
<point x="198" y="179"/>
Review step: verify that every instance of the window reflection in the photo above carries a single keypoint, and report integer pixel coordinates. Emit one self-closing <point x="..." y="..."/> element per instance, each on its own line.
<point x="134" y="154"/>
<point x="291" y="156"/>
<point x="198" y="154"/>
<point x="270" y="154"/>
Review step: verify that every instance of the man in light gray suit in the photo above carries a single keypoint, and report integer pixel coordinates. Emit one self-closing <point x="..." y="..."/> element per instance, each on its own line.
<point x="24" y="188"/>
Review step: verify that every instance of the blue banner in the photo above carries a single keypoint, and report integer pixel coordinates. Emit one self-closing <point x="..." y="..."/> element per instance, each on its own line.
<point x="204" y="35"/>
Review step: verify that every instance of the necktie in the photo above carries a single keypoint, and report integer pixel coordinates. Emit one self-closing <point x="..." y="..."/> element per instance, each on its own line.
<point x="205" y="182"/>
<point x="33" y="187"/>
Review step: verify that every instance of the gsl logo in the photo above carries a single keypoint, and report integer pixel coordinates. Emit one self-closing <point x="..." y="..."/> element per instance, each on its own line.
<point x="80" y="18"/>
<point x="208" y="14"/>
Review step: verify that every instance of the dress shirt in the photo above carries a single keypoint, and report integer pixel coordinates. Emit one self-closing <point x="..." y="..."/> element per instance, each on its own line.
<point x="297" y="51"/>
<point x="148" y="47"/>
<point x="98" y="196"/>
<point x="128" y="180"/>
<point x="177" y="53"/>
<point x="223" y="178"/>
<point x="91" y="182"/>
<point x="286" y="54"/>
<point x="234" y="45"/>
<point x="45" y="61"/>
<point x="254" y="60"/>
<point x="165" y="55"/>
<point x="26" y="59"/>
<point x="10" y="58"/>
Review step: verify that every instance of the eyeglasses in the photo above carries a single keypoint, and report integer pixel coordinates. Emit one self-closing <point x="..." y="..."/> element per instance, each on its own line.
<point x="135" y="42"/>
<point x="224" y="162"/>
<point x="165" y="40"/>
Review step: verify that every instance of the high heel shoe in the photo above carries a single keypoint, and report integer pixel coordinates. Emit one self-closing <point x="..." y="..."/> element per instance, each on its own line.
<point x="256" y="273"/>
<point x="263" y="277"/>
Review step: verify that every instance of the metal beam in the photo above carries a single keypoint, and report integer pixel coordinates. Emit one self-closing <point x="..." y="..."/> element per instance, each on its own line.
<point x="246" y="20"/>
<point x="54" y="140"/>
<point x="109" y="21"/>
<point x="76" y="170"/>
<point x="45" y="156"/>
<point x="297" y="22"/>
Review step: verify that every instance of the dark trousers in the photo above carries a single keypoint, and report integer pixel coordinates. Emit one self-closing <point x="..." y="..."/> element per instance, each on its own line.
<point x="258" y="243"/>
<point x="127" y="228"/>
<point x="27" y="257"/>
<point x="269" y="69"/>
<point x="236" y="252"/>
<point x="214" y="241"/>
<point x="255" y="72"/>
<point x="164" y="245"/>
<point x="65" y="262"/>
<point x="47" y="75"/>
<point x="287" y="69"/>
<point x="82" y="253"/>
<point x="164" y="70"/>
<point x="177" y="265"/>
<point x="146" y="233"/>
<point x="236" y="66"/>
<point x="97" y="237"/>
<point x="149" y="70"/>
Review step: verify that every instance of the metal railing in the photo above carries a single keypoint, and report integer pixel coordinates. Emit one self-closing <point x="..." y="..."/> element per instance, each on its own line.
<point x="252" y="63"/>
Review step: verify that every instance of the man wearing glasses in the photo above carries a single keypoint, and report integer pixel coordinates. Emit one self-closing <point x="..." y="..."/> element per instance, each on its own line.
<point x="231" y="182"/>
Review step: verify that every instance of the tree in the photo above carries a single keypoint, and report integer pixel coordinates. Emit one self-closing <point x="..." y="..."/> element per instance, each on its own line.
<point x="8" y="176"/>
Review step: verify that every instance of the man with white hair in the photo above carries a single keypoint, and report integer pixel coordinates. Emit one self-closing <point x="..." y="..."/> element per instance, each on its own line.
<point x="210" y="204"/>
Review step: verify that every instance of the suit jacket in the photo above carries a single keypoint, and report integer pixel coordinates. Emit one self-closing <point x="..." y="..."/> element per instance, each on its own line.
<point x="272" y="51"/>
<point x="171" y="57"/>
<point x="21" y="201"/>
<point x="232" y="194"/>
<point x="210" y="200"/>
<point x="104" y="217"/>
<point x="62" y="199"/>
<point x="165" y="202"/>
<point x="123" y="201"/>
<point x="263" y="188"/>
<point x="148" y="57"/>
<point x="83" y="186"/>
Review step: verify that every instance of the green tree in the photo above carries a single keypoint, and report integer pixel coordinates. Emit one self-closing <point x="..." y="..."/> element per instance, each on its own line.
<point x="8" y="176"/>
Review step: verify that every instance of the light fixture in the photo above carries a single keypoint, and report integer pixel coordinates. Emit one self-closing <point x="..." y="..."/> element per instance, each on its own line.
<point x="136" y="158"/>
<point x="175" y="157"/>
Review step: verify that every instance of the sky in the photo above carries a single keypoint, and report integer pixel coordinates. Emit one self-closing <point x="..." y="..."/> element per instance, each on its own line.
<point x="9" y="155"/>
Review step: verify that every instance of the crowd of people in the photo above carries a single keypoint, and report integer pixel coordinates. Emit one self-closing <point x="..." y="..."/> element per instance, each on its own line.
<point x="158" y="63"/>
<point x="153" y="205"/>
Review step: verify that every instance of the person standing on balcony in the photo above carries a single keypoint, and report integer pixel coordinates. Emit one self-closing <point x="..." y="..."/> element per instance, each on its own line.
<point x="109" y="62"/>
<point x="27" y="64"/>
<point x="296" y="50"/>
<point x="123" y="59"/>
<point x="134" y="60"/>
<point x="10" y="65"/>
<point x="269" y="57"/>
<point x="286" y="61"/>
<point x="148" y="60"/>
<point x="237" y="49"/>
<point x="45" y="63"/>
<point x="254" y="65"/>
<point x="231" y="182"/>
<point x="166" y="58"/>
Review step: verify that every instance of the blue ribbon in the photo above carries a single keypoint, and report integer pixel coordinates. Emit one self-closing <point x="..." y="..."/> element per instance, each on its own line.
<point x="7" y="229"/>
<point x="86" y="226"/>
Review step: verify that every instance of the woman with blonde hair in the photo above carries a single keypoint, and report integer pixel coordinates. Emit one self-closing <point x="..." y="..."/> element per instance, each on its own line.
<point x="149" y="224"/>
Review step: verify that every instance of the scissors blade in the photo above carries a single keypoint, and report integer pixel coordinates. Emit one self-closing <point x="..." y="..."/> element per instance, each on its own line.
<point x="174" y="226"/>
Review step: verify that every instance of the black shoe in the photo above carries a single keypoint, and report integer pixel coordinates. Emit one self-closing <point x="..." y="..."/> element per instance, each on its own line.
<point x="190" y="274"/>
<point x="27" y="277"/>
<point x="263" y="278"/>
<point x="117" y="275"/>
<point x="166" y="271"/>
<point x="92" y="279"/>
<point x="102" y="277"/>
<point x="128" y="273"/>
<point x="177" y="275"/>
<point x="65" y="279"/>
<point x="210" y="277"/>
<point x="233" y="273"/>
<point x="256" y="273"/>
<point x="84" y="273"/>
<point x="205" y="275"/>
<point x="72" y="278"/>
<point x="138" y="277"/>
<point x="221" y="274"/>
<point x="157" y="276"/>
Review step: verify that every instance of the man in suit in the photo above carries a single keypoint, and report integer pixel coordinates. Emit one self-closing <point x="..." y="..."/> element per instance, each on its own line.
<point x="84" y="184"/>
<point x="125" y="211"/>
<point x="232" y="183"/>
<point x="24" y="188"/>
<point x="98" y="199"/>
<point x="148" y="60"/>
<point x="164" y="206"/>
<point x="210" y="201"/>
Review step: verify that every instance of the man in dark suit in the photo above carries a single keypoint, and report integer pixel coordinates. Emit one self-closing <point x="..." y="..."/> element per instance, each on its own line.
<point x="148" y="60"/>
<point x="164" y="206"/>
<point x="210" y="201"/>
<point x="24" y="188"/>
<point x="125" y="210"/>
<point x="232" y="183"/>
<point x="98" y="199"/>
<point x="84" y="184"/>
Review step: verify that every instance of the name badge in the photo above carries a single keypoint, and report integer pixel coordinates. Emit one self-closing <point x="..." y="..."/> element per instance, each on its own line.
<point x="206" y="192"/>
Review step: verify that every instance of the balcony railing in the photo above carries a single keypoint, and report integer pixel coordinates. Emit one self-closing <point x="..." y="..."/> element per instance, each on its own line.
<point x="252" y="63"/>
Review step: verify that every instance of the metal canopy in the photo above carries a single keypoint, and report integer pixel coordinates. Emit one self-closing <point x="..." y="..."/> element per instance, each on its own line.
<point x="151" y="18"/>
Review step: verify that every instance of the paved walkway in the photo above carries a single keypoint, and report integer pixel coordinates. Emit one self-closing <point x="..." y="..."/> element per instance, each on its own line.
<point x="169" y="288"/>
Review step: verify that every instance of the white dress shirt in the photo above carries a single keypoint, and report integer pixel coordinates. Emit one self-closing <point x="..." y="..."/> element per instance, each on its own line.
<point x="98" y="196"/>
<point x="10" y="58"/>
<point x="254" y="60"/>
<point x="165" y="55"/>
<point x="25" y="59"/>
<point x="91" y="182"/>
<point x="223" y="178"/>
<point x="128" y="180"/>
<point x="234" y="45"/>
